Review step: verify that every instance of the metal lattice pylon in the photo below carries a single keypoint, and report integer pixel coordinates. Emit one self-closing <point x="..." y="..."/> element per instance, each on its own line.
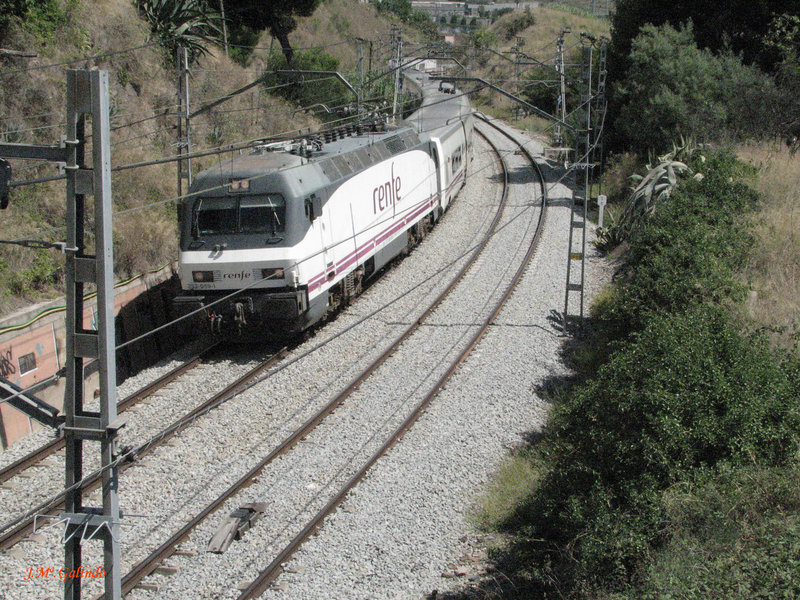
<point x="184" y="135"/>
<point x="576" y="257"/>
<point x="87" y="95"/>
<point x="599" y="115"/>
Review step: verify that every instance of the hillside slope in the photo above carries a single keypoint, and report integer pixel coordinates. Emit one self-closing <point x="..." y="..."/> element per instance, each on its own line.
<point x="143" y="99"/>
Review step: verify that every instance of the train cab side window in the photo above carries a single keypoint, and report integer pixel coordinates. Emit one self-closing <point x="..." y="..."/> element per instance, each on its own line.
<point x="313" y="207"/>
<point x="455" y="160"/>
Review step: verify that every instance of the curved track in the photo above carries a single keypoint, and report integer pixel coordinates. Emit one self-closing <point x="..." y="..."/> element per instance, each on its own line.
<point x="274" y="569"/>
<point x="24" y="526"/>
<point x="151" y="562"/>
<point x="57" y="444"/>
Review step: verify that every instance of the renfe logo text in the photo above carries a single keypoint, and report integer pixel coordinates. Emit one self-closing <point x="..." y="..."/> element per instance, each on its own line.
<point x="387" y="194"/>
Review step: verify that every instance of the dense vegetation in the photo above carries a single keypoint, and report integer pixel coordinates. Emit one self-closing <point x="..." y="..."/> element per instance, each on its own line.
<point x="720" y="71"/>
<point x="677" y="411"/>
<point x="249" y="17"/>
<point x="669" y="467"/>
<point x="673" y="88"/>
<point x="406" y="14"/>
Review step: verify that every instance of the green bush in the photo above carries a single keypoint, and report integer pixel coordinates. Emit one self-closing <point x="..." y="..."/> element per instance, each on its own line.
<point x="314" y="89"/>
<point x="518" y="23"/>
<point x="242" y="39"/>
<point x="45" y="17"/>
<point x="672" y="88"/>
<point x="672" y="390"/>
<point x="192" y="24"/>
<point x="45" y="271"/>
<point x="735" y="535"/>
<point x="689" y="392"/>
<point x="691" y="249"/>
<point x="40" y="17"/>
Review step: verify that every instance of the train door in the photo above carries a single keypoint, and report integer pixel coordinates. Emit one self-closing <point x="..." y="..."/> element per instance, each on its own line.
<point x="465" y="157"/>
<point x="326" y="240"/>
<point x="436" y="152"/>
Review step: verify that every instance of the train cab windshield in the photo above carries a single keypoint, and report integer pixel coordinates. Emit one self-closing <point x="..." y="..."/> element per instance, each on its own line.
<point x="239" y="214"/>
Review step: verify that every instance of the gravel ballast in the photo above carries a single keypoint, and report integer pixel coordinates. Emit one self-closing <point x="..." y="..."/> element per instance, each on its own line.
<point x="400" y="529"/>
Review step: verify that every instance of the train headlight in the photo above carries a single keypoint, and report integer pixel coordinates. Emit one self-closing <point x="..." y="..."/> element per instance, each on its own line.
<point x="272" y="273"/>
<point x="240" y="185"/>
<point x="203" y="276"/>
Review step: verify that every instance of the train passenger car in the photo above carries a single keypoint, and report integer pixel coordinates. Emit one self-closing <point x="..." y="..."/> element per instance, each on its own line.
<point x="272" y="241"/>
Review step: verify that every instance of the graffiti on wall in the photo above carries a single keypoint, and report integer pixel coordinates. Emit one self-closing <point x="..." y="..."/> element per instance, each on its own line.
<point x="7" y="367"/>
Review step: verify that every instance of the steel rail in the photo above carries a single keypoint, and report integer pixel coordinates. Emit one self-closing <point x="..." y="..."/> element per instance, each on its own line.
<point x="274" y="569"/>
<point x="14" y="535"/>
<point x="57" y="444"/>
<point x="166" y="549"/>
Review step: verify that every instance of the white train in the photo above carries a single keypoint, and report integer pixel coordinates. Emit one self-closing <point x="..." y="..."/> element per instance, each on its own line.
<point x="273" y="241"/>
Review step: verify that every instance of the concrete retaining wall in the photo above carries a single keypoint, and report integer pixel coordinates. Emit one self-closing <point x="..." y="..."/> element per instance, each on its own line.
<point x="32" y="342"/>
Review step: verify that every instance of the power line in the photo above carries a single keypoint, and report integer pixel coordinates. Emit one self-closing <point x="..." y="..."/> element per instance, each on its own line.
<point x="218" y="150"/>
<point x="79" y="60"/>
<point x="234" y="147"/>
<point x="131" y="454"/>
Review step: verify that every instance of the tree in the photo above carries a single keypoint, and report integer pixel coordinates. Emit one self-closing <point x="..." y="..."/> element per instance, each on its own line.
<point x="483" y="38"/>
<point x="673" y="88"/>
<point x="740" y="25"/>
<point x="277" y="17"/>
<point x="307" y="93"/>
<point x="188" y="23"/>
<point x="518" y="23"/>
<point x="402" y="8"/>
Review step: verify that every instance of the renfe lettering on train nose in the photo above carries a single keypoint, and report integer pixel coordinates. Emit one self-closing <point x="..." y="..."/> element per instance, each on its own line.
<point x="387" y="194"/>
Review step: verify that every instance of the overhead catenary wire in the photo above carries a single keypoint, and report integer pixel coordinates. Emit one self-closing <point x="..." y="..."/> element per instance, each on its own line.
<point x="132" y="453"/>
<point x="218" y="150"/>
<point x="231" y="148"/>
<point x="160" y="112"/>
<point x="80" y="60"/>
<point x="255" y="282"/>
<point x="262" y="108"/>
<point x="120" y="213"/>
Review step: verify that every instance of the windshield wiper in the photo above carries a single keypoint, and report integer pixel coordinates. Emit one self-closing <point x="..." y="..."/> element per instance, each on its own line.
<point x="196" y="219"/>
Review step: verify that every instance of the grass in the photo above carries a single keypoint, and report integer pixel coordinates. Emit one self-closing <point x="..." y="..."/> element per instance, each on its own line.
<point x="774" y="270"/>
<point x="539" y="41"/>
<point x="512" y="483"/>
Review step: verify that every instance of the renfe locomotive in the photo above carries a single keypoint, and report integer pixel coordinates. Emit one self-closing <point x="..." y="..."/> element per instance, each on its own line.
<point x="272" y="241"/>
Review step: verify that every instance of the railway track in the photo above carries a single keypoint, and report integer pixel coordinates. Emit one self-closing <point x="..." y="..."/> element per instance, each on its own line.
<point x="57" y="444"/>
<point x="25" y="526"/>
<point x="274" y="569"/>
<point x="147" y="566"/>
